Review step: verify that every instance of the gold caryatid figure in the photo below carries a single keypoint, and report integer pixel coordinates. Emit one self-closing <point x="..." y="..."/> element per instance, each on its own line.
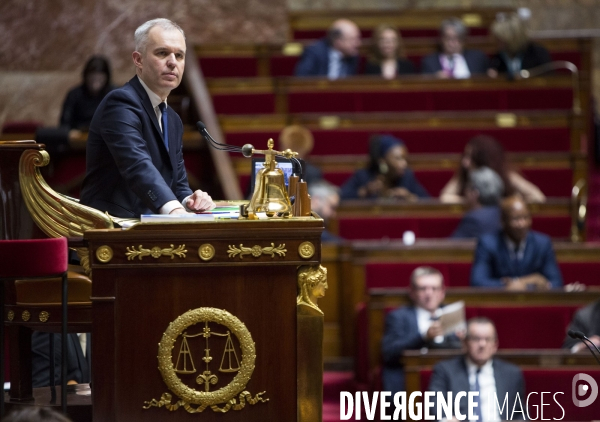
<point x="312" y="283"/>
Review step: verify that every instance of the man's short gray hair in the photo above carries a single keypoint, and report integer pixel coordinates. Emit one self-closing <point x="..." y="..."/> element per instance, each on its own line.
<point x="489" y="185"/>
<point x="423" y="271"/>
<point x="141" y="34"/>
<point x="457" y="24"/>
<point x="322" y="189"/>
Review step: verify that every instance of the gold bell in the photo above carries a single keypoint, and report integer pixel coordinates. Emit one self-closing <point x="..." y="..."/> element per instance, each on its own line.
<point x="270" y="194"/>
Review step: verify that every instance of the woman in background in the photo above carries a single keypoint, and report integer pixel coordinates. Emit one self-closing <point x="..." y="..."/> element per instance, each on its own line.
<point x="82" y="101"/>
<point x="387" y="57"/>
<point x="484" y="150"/>
<point x="387" y="175"/>
<point x="515" y="50"/>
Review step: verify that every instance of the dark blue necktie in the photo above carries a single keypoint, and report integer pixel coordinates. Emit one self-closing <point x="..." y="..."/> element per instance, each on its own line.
<point x="163" y="109"/>
<point x="477" y="399"/>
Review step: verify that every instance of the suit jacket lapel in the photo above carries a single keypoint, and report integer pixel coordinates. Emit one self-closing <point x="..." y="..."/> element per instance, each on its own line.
<point x="501" y="387"/>
<point x="135" y="83"/>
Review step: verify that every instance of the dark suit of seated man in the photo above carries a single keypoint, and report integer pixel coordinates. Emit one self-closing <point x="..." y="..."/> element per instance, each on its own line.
<point x="415" y="326"/>
<point x="587" y="321"/>
<point x="482" y="195"/>
<point x="517" y="257"/>
<point x="335" y="56"/>
<point x="453" y="61"/>
<point x="478" y="370"/>
<point x="78" y="359"/>
<point x="132" y="167"/>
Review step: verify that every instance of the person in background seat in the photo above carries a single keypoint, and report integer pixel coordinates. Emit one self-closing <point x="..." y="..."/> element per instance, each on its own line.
<point x="387" y="58"/>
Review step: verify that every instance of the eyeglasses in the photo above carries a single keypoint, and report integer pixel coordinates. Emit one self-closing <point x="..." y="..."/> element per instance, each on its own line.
<point x="475" y="339"/>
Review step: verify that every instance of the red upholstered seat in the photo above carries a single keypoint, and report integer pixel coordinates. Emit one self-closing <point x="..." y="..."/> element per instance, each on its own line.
<point x="458" y="274"/>
<point x="255" y="103"/>
<point x="354" y="228"/>
<point x="24" y="126"/>
<point x="556" y="380"/>
<point x="397" y="274"/>
<point x="33" y="257"/>
<point x="451" y="100"/>
<point x="532" y="333"/>
<point x="227" y="67"/>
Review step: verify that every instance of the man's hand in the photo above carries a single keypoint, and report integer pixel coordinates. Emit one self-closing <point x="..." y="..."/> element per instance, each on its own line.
<point x="435" y="329"/>
<point x="200" y="201"/>
<point x="538" y="281"/>
<point x="580" y="346"/>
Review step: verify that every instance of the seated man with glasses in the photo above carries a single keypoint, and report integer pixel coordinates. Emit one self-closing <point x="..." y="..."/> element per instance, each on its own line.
<point x="478" y="370"/>
<point x="415" y="326"/>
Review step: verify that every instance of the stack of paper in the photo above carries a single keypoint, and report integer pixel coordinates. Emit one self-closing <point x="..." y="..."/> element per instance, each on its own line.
<point x="218" y="213"/>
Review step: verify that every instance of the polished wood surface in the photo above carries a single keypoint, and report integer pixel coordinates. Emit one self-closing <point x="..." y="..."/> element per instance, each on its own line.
<point x="136" y="299"/>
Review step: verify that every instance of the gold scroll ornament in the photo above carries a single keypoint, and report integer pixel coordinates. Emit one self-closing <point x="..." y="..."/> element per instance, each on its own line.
<point x="256" y="250"/>
<point x="312" y="283"/>
<point x="156" y="252"/>
<point x="195" y="401"/>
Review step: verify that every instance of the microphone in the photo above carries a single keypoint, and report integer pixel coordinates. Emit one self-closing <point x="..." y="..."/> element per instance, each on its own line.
<point x="580" y="336"/>
<point x="247" y="150"/>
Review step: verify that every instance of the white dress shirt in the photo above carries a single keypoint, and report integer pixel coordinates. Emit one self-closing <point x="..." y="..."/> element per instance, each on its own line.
<point x="424" y="321"/>
<point x="487" y="390"/>
<point x="455" y="65"/>
<point x="334" y="71"/>
<point x="156" y="100"/>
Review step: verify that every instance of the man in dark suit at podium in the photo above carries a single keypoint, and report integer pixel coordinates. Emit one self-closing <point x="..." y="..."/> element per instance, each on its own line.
<point x="517" y="257"/>
<point x="479" y="371"/>
<point x="134" y="150"/>
<point x="415" y="326"/>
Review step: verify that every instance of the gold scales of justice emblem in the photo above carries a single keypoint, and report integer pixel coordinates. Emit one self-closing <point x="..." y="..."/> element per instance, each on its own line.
<point x="230" y="397"/>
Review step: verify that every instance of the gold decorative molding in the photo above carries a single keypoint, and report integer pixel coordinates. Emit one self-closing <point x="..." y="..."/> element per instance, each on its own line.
<point x="25" y="316"/>
<point x="57" y="215"/>
<point x="11" y="315"/>
<point x="156" y="252"/>
<point x="194" y="401"/>
<point x="104" y="254"/>
<point x="256" y="250"/>
<point x="306" y="250"/>
<point x="312" y="283"/>
<point x="44" y="316"/>
<point x="206" y="252"/>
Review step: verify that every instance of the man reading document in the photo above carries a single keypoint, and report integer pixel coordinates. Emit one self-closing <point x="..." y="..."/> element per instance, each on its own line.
<point x="134" y="148"/>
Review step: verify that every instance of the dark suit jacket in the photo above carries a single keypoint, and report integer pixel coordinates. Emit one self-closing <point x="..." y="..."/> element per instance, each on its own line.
<point x="315" y="61"/>
<point x="586" y="320"/>
<point x="452" y="375"/>
<point x="492" y="260"/>
<point x="402" y="333"/>
<point x="532" y="56"/>
<point x="129" y="170"/>
<point x="478" y="222"/>
<point x="349" y="189"/>
<point x="477" y="62"/>
<point x="78" y="366"/>
<point x="403" y="67"/>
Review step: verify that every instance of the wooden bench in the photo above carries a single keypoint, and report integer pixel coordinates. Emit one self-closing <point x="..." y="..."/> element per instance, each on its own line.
<point x="538" y="378"/>
<point x="554" y="307"/>
<point x="364" y="256"/>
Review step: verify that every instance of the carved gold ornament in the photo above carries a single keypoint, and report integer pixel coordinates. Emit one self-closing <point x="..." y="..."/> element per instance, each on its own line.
<point x="25" y="316"/>
<point x="195" y="401"/>
<point x="11" y="315"/>
<point x="206" y="252"/>
<point x="44" y="316"/>
<point x="104" y="254"/>
<point x="156" y="252"/>
<point x="312" y="283"/>
<point x="256" y="250"/>
<point x="306" y="250"/>
<point x="54" y="213"/>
